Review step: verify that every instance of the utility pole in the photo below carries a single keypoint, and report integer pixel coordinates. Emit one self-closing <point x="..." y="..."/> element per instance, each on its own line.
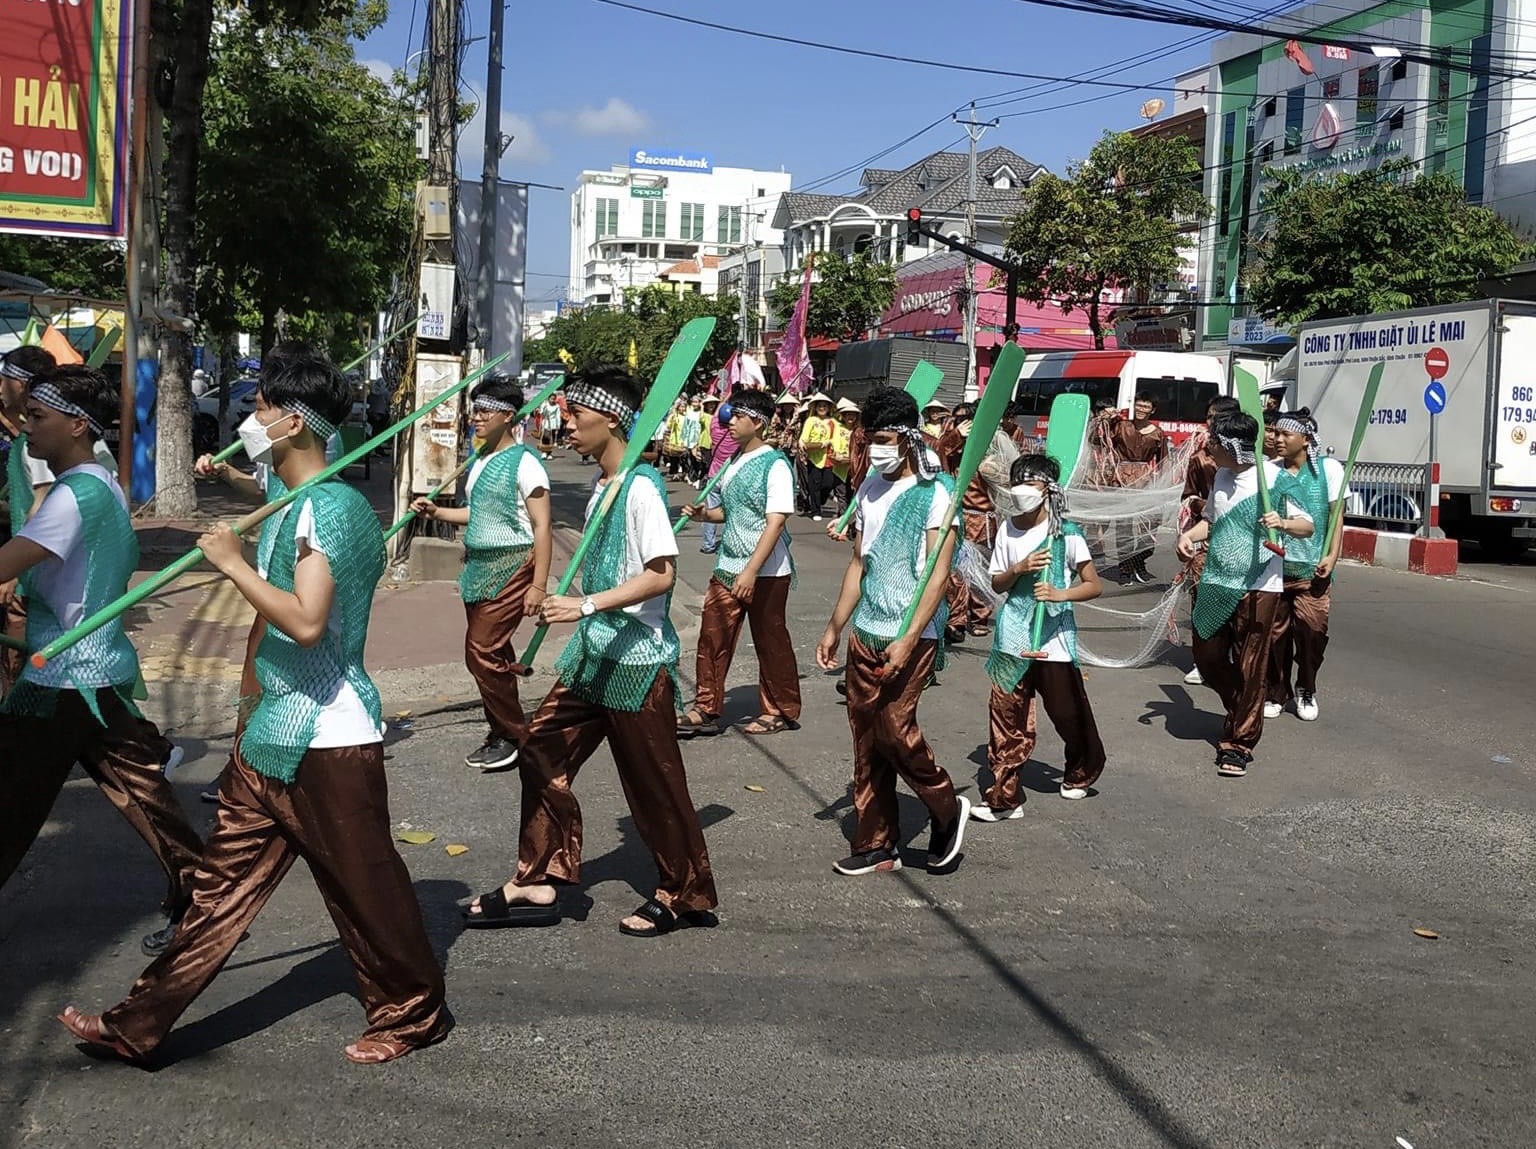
<point x="974" y="129"/>
<point x="485" y="288"/>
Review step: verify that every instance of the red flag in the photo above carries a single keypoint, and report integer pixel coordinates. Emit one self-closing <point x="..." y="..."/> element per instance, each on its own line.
<point x="1298" y="55"/>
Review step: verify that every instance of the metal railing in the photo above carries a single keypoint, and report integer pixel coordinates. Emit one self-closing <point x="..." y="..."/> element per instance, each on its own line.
<point x="1387" y="496"/>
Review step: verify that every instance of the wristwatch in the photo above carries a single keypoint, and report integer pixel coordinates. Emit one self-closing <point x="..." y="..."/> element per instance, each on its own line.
<point x="588" y="607"/>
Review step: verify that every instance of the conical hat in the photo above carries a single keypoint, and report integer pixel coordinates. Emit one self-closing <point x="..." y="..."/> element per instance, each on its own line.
<point x="786" y="400"/>
<point x="819" y="397"/>
<point x="845" y="405"/>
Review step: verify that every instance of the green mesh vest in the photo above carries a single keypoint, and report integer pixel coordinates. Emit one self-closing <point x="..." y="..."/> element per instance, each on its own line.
<point x="613" y="658"/>
<point x="105" y="657"/>
<point x="1303" y="555"/>
<point x="1013" y="627"/>
<point x="895" y="563"/>
<point x="19" y="479"/>
<point x="745" y="501"/>
<point x="496" y="543"/>
<point x="296" y="681"/>
<point x="1235" y="557"/>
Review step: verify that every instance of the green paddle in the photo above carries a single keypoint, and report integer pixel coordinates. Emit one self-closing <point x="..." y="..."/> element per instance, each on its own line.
<point x="1253" y="405"/>
<point x="682" y="520"/>
<point x="674" y="373"/>
<point x="527" y="409"/>
<point x="1065" y="435"/>
<point x="921" y="385"/>
<point x="989" y="415"/>
<point x="155" y="581"/>
<point x="1362" y="420"/>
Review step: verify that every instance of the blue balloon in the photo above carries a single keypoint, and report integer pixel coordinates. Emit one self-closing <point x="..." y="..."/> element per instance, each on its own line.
<point x="727" y="412"/>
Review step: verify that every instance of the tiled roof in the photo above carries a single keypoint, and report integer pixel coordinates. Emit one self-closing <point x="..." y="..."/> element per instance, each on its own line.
<point x="936" y="183"/>
<point x="691" y="266"/>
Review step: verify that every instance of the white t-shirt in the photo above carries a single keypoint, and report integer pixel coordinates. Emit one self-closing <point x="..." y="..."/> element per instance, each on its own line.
<point x="781" y="501"/>
<point x="873" y="504"/>
<point x="42" y="475"/>
<point x="647" y="536"/>
<point x="58" y="528"/>
<point x="531" y="477"/>
<point x="343" y="719"/>
<point x="1013" y="546"/>
<point x="1228" y="489"/>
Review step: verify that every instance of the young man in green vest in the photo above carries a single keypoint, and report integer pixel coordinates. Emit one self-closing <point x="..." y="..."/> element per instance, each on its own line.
<point x="308" y="779"/>
<point x="751" y="580"/>
<point x="73" y="557"/>
<point x="617" y="681"/>
<point x="899" y="518"/>
<point x="507" y="544"/>
<point x="1239" y="593"/>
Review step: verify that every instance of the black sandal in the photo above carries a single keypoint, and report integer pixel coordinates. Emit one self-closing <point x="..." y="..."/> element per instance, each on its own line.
<point x="665" y="921"/>
<point x="1232" y="763"/>
<point x="707" y="725"/>
<point x="496" y="913"/>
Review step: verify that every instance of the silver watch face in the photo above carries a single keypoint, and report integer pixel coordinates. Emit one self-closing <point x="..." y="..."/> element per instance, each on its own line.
<point x="588" y="607"/>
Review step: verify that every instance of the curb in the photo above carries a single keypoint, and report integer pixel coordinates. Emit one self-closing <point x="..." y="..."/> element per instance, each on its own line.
<point x="1402" y="552"/>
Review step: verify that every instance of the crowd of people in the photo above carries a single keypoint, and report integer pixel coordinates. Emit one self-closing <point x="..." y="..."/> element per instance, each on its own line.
<point x="306" y="777"/>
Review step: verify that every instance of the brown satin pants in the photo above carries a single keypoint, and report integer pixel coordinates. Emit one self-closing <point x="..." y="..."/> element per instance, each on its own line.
<point x="1300" y="637"/>
<point x="778" y="675"/>
<point x="564" y="732"/>
<point x="967" y="608"/>
<point x="1012" y="721"/>
<point x="887" y="743"/>
<point x="1235" y="664"/>
<point x="334" y="815"/>
<point x="123" y="758"/>
<point x="489" y="654"/>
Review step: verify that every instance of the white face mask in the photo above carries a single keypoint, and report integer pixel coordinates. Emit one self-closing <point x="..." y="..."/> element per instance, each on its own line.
<point x="1026" y="498"/>
<point x="885" y="457"/>
<point x="256" y="440"/>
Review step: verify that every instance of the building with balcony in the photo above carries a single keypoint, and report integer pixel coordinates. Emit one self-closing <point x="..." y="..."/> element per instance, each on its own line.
<point x="1442" y="84"/>
<point x="635" y="221"/>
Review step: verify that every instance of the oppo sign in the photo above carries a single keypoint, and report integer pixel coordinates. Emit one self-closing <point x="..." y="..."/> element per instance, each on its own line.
<point x="671" y="161"/>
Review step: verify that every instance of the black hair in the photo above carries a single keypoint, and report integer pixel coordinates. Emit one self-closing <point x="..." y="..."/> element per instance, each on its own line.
<point x="1013" y="410"/>
<point x="312" y="380"/>
<point x="753" y="402"/>
<point x="615" y="379"/>
<point x="285" y="352"/>
<point x="1237" y="425"/>
<point x="498" y="386"/>
<point x="1146" y="397"/>
<point x="1271" y="416"/>
<point x="1221" y="405"/>
<point x="887" y="407"/>
<point x="1024" y="464"/>
<point x="85" y="387"/>
<point x="33" y="359"/>
<point x="964" y="411"/>
<point x="1102" y="403"/>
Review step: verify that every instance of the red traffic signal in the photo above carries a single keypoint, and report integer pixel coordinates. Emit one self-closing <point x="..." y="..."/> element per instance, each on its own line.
<point x="914" y="226"/>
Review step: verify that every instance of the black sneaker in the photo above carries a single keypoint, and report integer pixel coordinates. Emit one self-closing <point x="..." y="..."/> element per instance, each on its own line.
<point x="496" y="754"/>
<point x="154" y="944"/>
<point x="874" y="862"/>
<point x="944" y="841"/>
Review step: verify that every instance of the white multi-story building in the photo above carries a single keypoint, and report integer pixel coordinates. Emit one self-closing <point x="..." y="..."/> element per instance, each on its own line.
<point x="632" y="222"/>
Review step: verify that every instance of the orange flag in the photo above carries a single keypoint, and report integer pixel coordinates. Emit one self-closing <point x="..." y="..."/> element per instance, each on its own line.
<point x="61" y="349"/>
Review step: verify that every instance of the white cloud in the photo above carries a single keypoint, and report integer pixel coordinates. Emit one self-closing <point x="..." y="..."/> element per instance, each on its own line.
<point x="383" y="69"/>
<point x="615" y="118"/>
<point x="527" y="146"/>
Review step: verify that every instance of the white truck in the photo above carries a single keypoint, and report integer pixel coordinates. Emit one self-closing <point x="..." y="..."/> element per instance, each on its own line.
<point x="1483" y="355"/>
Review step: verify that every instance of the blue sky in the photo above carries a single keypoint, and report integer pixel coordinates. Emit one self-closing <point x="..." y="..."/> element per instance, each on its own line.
<point x="585" y="82"/>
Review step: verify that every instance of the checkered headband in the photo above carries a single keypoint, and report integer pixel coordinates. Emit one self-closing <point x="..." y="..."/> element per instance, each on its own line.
<point x="594" y="398"/>
<point x="50" y="396"/>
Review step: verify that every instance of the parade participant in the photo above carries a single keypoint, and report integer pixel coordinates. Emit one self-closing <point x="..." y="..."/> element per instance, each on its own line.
<point x="549" y="427"/>
<point x="1139" y="448"/>
<point x="781" y="431"/>
<point x="816" y="441"/>
<point x="27" y="478"/>
<point x="721" y="449"/>
<point x="840" y="452"/>
<point x="1199" y="471"/>
<point x="616" y="681"/>
<point x="1010" y="426"/>
<point x="693" y="457"/>
<point x="935" y="419"/>
<point x="507" y="546"/>
<point x="1033" y="541"/>
<point x="1272" y="449"/>
<point x="968" y="611"/>
<point x="1301" y="628"/>
<point x="1239" y="592"/>
<point x="751" y="579"/>
<point x="308" y="780"/>
<point x="74" y="556"/>
<point x="899" y="517"/>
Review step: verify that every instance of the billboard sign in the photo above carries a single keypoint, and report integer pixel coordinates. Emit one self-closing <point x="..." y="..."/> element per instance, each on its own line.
<point x="671" y="161"/>
<point x="64" y="71"/>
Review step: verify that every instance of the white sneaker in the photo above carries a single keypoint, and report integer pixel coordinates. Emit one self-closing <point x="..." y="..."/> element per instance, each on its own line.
<point x="815" y="518"/>
<point x="173" y="760"/>
<point x="1306" y="706"/>
<point x="1273" y="710"/>
<point x="1073" y="793"/>
<point x="1193" y="678"/>
<point x="984" y="813"/>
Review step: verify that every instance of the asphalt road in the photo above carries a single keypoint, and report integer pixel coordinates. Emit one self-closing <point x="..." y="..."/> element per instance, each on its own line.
<point x="1180" y="961"/>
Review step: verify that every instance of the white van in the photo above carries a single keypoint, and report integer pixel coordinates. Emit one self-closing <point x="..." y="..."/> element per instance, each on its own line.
<point x="1181" y="383"/>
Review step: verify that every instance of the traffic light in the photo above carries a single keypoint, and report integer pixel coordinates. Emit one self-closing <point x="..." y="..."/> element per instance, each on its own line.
<point x="914" y="227"/>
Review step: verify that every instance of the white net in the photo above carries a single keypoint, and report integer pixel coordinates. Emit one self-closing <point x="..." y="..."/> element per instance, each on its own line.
<point x="1129" y="516"/>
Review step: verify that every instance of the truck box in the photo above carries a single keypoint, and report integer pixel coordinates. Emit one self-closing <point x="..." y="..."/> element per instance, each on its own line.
<point x="863" y="365"/>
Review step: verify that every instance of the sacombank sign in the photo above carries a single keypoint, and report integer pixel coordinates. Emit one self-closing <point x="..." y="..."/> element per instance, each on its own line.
<point x="671" y="161"/>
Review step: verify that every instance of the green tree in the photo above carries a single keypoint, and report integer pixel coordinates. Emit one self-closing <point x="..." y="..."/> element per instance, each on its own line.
<point x="71" y="266"/>
<point x="1113" y="222"/>
<point x="848" y="296"/>
<point x="304" y="206"/>
<point x="1365" y="242"/>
